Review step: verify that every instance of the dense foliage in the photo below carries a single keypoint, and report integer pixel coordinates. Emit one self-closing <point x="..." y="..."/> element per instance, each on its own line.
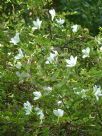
<point x="50" y="71"/>
<point x="87" y="13"/>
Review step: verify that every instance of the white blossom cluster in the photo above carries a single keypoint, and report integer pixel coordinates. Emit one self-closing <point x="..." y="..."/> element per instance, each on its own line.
<point x="52" y="58"/>
<point x="28" y="107"/>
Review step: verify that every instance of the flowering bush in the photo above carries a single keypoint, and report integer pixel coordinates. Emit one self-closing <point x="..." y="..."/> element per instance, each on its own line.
<point x="50" y="77"/>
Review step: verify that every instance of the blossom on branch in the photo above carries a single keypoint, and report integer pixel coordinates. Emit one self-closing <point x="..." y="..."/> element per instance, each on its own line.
<point x="72" y="61"/>
<point x="15" y="40"/>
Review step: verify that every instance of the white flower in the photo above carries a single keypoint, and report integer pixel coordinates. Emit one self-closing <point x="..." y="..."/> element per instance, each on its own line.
<point x="15" y="40"/>
<point x="18" y="73"/>
<point x="28" y="107"/>
<point x="72" y="61"/>
<point x="37" y="95"/>
<point x="97" y="92"/>
<point x="37" y="24"/>
<point x="18" y="65"/>
<point x="59" y="103"/>
<point x="82" y="93"/>
<point x="22" y="75"/>
<point x="52" y="57"/>
<point x="48" y="88"/>
<point x="75" y="28"/>
<point x="58" y="112"/>
<point x="86" y="52"/>
<point x="19" y="55"/>
<point x="60" y="21"/>
<point x="39" y="113"/>
<point x="52" y="13"/>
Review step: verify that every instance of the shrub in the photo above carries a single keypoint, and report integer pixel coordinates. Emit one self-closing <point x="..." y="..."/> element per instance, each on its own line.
<point x="50" y="76"/>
